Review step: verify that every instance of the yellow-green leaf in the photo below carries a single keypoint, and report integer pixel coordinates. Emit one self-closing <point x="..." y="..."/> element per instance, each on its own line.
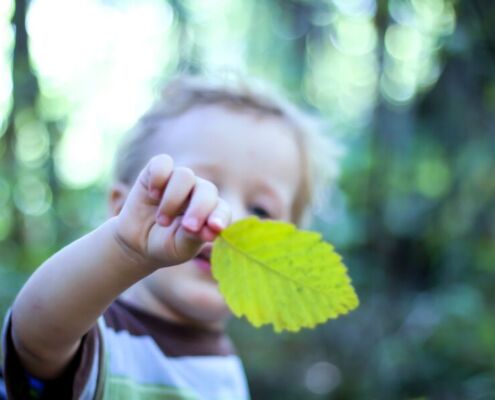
<point x="272" y="273"/>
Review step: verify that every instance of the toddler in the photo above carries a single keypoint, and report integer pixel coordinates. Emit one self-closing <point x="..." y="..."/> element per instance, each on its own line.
<point x="131" y="311"/>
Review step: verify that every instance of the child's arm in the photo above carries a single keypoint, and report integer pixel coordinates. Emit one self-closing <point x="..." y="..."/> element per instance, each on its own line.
<point x="64" y="297"/>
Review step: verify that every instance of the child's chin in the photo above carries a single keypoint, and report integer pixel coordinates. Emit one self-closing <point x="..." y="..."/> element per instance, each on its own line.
<point x="203" y="266"/>
<point x="209" y="305"/>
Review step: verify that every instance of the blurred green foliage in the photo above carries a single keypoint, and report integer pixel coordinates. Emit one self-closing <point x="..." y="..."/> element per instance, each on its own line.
<point x="409" y="86"/>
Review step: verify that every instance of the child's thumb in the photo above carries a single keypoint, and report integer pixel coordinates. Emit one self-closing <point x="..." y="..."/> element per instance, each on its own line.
<point x="187" y="244"/>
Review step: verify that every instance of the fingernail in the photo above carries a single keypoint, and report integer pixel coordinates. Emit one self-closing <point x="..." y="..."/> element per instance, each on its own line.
<point x="163" y="220"/>
<point x="217" y="222"/>
<point x="190" y="223"/>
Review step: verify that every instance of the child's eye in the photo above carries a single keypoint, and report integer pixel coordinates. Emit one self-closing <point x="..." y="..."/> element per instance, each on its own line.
<point x="260" y="212"/>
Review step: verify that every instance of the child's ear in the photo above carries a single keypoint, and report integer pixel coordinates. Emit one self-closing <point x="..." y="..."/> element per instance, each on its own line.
<point x="116" y="199"/>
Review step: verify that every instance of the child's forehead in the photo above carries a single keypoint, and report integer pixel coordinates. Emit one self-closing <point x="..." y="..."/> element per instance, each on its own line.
<point x="218" y="138"/>
<point x="222" y="124"/>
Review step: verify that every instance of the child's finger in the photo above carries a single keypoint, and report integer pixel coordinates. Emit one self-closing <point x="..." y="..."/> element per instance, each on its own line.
<point x="159" y="169"/>
<point x="206" y="234"/>
<point x="203" y="201"/>
<point x="220" y="217"/>
<point x="179" y="186"/>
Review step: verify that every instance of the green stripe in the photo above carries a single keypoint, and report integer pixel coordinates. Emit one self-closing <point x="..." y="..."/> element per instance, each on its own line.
<point x="122" y="388"/>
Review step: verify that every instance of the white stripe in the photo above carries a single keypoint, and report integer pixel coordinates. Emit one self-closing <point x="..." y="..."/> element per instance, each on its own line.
<point x="140" y="359"/>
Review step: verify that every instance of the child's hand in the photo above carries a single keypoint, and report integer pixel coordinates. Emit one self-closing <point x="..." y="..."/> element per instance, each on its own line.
<point x="170" y="213"/>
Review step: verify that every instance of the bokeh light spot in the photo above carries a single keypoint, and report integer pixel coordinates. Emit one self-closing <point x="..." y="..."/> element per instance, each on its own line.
<point x="32" y="144"/>
<point x="354" y="35"/>
<point x="322" y="378"/>
<point x="433" y="177"/>
<point x="32" y="196"/>
<point x="403" y="43"/>
<point x="80" y="158"/>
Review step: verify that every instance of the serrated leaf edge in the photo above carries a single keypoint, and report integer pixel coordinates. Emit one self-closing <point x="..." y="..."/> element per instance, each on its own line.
<point x="277" y="273"/>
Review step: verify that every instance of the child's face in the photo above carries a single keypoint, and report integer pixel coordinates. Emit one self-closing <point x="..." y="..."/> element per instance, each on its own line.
<point x="254" y="162"/>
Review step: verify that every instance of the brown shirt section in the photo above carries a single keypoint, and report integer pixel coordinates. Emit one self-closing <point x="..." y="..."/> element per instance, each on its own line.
<point x="173" y="339"/>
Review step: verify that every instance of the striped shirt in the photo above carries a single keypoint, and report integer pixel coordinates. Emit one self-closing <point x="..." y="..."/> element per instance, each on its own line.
<point x="134" y="355"/>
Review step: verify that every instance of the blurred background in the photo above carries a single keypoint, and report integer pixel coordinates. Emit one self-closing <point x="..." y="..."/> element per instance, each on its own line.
<point x="409" y="88"/>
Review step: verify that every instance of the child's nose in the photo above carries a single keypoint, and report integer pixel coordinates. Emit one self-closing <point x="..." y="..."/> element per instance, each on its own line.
<point x="239" y="210"/>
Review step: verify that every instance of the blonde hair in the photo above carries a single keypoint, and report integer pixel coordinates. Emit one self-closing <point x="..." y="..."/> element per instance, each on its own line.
<point x="186" y="92"/>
